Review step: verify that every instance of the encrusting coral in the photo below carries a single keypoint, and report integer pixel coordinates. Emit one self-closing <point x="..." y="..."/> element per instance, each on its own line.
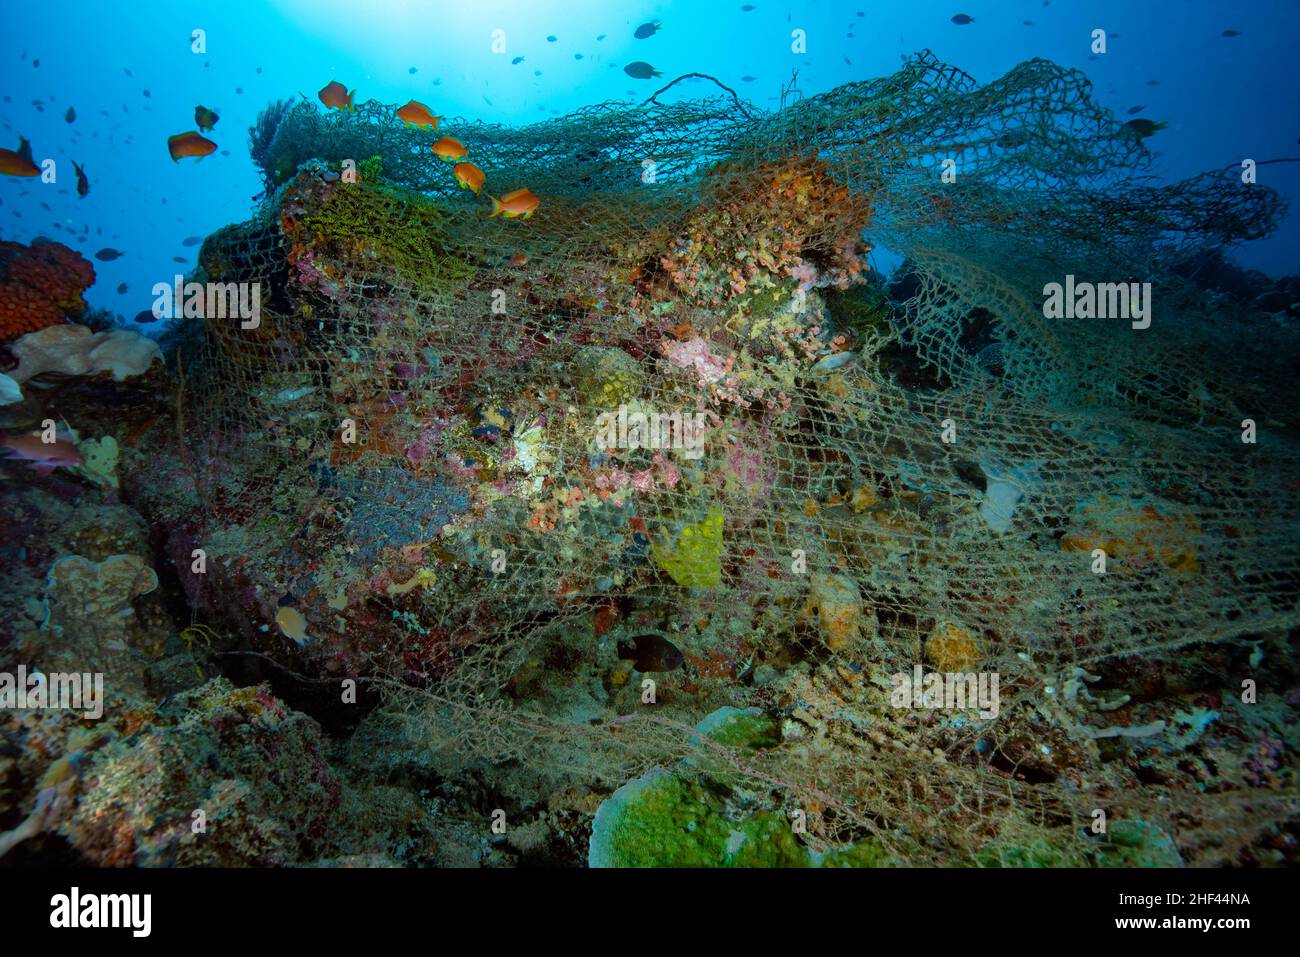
<point x="40" y="285"/>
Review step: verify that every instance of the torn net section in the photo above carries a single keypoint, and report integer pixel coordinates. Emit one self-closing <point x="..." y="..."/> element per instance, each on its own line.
<point x="476" y="528"/>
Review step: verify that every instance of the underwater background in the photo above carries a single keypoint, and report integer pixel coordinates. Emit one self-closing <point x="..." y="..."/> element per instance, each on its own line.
<point x="649" y="435"/>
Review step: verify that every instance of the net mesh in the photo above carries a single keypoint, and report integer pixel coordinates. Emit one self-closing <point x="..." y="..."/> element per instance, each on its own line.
<point x="479" y="553"/>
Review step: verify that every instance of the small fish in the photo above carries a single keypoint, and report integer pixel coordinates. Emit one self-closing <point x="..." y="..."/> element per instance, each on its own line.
<point x="1013" y="138"/>
<point x="577" y="56"/>
<point x="145" y="316"/>
<point x="520" y="203"/>
<point x="121" y="288"/>
<point x="44" y="456"/>
<point x="179" y="259"/>
<point x="747" y="8"/>
<point x="847" y="60"/>
<point x="551" y="39"/>
<point x="336" y="96"/>
<point x="191" y="241"/>
<point x="83" y="184"/>
<point x="205" y="119"/>
<point x="516" y="61"/>
<point x="746" y="79"/>
<point x="70" y="116"/>
<point x="19" y="162"/>
<point x="108" y="254"/>
<point x="1028" y="23"/>
<point x="1231" y="33"/>
<point x="648" y="29"/>
<point x="1135" y="110"/>
<point x="415" y="113"/>
<point x="537" y="73"/>
<point x="641" y="70"/>
<point x="452" y="150"/>
<point x="189" y="144"/>
<point x="599" y="38"/>
<point x="961" y="19"/>
<point x="412" y="70"/>
<point x="468" y="176"/>
<point x="1144" y="127"/>
<point x="1153" y="82"/>
<point x="239" y="89"/>
<point x="651" y="653"/>
<point x="292" y="624"/>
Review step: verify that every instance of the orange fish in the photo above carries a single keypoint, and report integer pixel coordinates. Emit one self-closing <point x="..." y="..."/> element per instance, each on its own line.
<point x="44" y="457"/>
<point x="469" y="176"/>
<point x="189" y="144"/>
<point x="19" y="163"/>
<point x="336" y="96"/>
<point x="522" y="202"/>
<point x="416" y="113"/>
<point x="453" y="151"/>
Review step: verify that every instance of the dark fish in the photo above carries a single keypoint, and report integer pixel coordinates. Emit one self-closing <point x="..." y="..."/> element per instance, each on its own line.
<point x="83" y="184"/>
<point x="1013" y="138"/>
<point x="147" y="94"/>
<point x="1153" y="82"/>
<point x="259" y="69"/>
<point x="647" y="29"/>
<point x="1028" y="23"/>
<point x="108" y="254"/>
<point x="551" y="39"/>
<point x="1135" y="110"/>
<point x="747" y="7"/>
<point x="191" y="241"/>
<point x="537" y="73"/>
<point x="651" y="653"/>
<point x="410" y="69"/>
<point x="599" y="38"/>
<point x="517" y="60"/>
<point x="1231" y="33"/>
<point x="1144" y="127"/>
<point x="577" y="56"/>
<point x="239" y="89"/>
<point x="121" y="288"/>
<point x="641" y="70"/>
<point x="848" y="61"/>
<point x="746" y="79"/>
<point x="127" y="71"/>
<point x="145" y="316"/>
<point x="961" y="19"/>
<point x="36" y="63"/>
<point x="179" y="259"/>
<point x="71" y="115"/>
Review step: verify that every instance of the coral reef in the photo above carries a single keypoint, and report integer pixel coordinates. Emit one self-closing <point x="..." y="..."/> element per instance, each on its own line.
<point x="40" y="285"/>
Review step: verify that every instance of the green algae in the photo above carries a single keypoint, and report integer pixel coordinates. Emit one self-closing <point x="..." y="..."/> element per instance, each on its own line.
<point x="403" y="232"/>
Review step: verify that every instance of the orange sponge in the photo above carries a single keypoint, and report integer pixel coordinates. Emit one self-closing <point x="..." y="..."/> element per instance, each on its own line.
<point x="39" y="285"/>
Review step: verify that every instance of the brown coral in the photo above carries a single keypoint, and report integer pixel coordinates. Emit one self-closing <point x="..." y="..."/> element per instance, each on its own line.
<point x="39" y="285"/>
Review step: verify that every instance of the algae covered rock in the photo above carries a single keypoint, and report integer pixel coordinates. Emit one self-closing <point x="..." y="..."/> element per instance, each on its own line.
<point x="606" y="377"/>
<point x="663" y="820"/>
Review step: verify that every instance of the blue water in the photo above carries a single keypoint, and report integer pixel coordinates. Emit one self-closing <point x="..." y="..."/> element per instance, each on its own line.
<point x="1225" y="99"/>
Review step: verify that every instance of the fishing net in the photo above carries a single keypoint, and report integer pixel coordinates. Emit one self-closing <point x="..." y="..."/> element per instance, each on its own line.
<point x="885" y="476"/>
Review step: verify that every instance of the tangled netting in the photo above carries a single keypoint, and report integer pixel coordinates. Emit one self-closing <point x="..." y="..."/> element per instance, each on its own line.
<point x="888" y="476"/>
